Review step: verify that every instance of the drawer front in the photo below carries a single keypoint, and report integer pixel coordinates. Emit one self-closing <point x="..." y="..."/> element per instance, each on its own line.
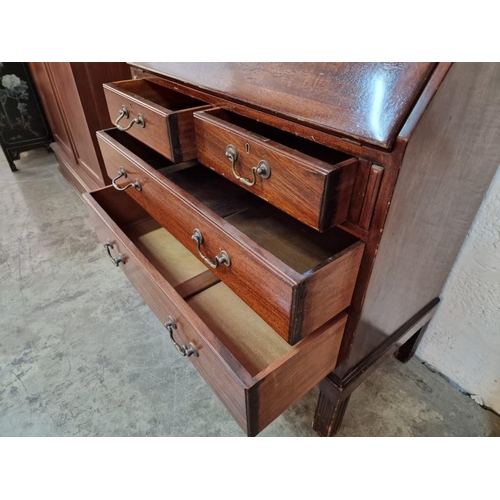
<point x="253" y="400"/>
<point x="312" y="191"/>
<point x="170" y="133"/>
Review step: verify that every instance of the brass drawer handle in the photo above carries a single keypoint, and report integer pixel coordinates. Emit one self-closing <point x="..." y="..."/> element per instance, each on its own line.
<point x="263" y="168"/>
<point x="184" y="350"/>
<point x="115" y="260"/>
<point x="222" y="258"/>
<point x="124" y="114"/>
<point x="122" y="173"/>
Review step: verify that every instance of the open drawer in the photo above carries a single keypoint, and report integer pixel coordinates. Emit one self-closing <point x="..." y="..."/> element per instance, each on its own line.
<point x="309" y="181"/>
<point x="254" y="372"/>
<point x="160" y="117"/>
<point x="295" y="278"/>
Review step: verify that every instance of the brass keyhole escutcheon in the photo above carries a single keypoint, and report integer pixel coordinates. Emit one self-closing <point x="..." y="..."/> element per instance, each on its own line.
<point x="247" y="148"/>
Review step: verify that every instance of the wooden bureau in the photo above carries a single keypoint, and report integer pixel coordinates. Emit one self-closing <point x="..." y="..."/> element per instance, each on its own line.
<point x="291" y="224"/>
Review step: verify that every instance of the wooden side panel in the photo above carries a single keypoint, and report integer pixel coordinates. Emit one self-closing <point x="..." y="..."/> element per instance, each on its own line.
<point x="329" y="290"/>
<point x="449" y="163"/>
<point x="291" y="377"/>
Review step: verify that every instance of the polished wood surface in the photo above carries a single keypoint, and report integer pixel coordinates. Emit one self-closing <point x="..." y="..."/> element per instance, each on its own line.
<point x="273" y="258"/>
<point x="367" y="102"/>
<point x="168" y="116"/>
<point x="307" y="181"/>
<point x="254" y="372"/>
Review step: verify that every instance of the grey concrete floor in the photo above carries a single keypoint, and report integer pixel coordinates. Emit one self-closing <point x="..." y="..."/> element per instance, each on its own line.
<point x="82" y="355"/>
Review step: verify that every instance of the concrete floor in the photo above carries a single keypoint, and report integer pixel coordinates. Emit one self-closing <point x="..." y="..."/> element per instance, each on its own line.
<point x="82" y="355"/>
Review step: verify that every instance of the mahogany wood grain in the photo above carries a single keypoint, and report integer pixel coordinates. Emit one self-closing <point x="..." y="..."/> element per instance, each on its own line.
<point x="314" y="189"/>
<point x="252" y="370"/>
<point x="265" y="281"/>
<point x="367" y="102"/>
<point x="168" y="116"/>
<point x="322" y="287"/>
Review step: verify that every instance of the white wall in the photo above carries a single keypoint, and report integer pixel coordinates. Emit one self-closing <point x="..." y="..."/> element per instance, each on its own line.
<point x="463" y="339"/>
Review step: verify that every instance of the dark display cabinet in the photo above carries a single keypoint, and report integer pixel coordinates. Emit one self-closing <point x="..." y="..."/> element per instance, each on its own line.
<point x="23" y="125"/>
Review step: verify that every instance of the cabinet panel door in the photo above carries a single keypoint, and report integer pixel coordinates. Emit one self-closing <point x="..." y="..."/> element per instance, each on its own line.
<point x="67" y="94"/>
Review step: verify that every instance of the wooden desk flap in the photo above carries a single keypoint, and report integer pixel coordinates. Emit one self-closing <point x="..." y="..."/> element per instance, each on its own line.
<point x="366" y="102"/>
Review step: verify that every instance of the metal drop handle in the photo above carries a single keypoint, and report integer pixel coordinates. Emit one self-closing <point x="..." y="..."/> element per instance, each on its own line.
<point x="184" y="350"/>
<point x="222" y="258"/>
<point x="122" y="173"/>
<point x="124" y="114"/>
<point x="115" y="260"/>
<point x="263" y="168"/>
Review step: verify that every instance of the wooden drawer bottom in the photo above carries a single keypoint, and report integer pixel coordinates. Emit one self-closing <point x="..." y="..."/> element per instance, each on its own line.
<point x="255" y="373"/>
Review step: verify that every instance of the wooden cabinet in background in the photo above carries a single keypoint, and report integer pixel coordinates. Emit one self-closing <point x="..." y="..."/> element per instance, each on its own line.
<point x="73" y="99"/>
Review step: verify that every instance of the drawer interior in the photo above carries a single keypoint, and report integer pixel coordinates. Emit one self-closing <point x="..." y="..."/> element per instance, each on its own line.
<point x="245" y="334"/>
<point x="165" y="97"/>
<point x="267" y="133"/>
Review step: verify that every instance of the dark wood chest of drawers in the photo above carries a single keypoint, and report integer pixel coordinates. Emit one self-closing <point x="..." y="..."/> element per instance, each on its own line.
<point x="293" y="224"/>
